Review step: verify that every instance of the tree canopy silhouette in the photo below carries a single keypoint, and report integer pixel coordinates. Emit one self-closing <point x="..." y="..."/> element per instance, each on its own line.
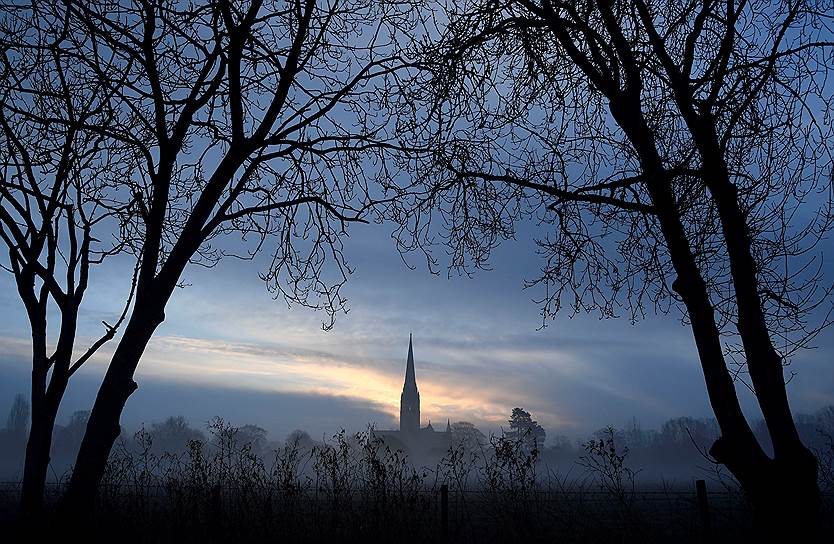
<point x="252" y="119"/>
<point x="672" y="153"/>
<point x="525" y="429"/>
<point x="58" y="206"/>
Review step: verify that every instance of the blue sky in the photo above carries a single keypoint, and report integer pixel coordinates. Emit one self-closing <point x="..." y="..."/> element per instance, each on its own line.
<point x="227" y="348"/>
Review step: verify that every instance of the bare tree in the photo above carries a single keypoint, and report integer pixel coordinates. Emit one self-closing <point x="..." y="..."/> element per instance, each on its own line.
<point x="55" y="183"/>
<point x="673" y="152"/>
<point x="17" y="422"/>
<point x="255" y="119"/>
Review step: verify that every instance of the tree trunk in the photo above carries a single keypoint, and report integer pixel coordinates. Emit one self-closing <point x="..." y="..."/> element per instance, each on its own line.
<point x="737" y="447"/>
<point x="47" y="393"/>
<point x="38" y="447"/>
<point x="35" y="468"/>
<point x="103" y="426"/>
<point x="794" y="472"/>
<point x="791" y="487"/>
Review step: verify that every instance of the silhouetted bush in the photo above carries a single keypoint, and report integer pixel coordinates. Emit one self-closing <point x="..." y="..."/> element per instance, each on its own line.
<point x="354" y="487"/>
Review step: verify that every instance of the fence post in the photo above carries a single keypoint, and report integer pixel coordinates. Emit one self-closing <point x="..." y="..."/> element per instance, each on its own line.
<point x="703" y="507"/>
<point x="444" y="511"/>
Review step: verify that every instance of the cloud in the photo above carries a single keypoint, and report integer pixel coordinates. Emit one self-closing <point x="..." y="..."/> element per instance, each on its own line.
<point x="478" y="348"/>
<point x="156" y="399"/>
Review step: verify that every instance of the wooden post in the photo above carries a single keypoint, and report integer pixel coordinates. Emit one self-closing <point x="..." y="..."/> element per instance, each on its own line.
<point x="703" y="507"/>
<point x="444" y="511"/>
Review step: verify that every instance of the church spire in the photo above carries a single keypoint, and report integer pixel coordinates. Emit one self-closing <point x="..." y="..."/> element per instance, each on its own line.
<point x="410" y="398"/>
<point x="410" y="380"/>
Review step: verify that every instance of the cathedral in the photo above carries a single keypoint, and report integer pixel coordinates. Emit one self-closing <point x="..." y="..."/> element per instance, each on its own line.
<point x="411" y="438"/>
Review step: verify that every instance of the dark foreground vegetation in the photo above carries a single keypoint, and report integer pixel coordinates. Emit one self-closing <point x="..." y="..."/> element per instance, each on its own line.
<point x="355" y="488"/>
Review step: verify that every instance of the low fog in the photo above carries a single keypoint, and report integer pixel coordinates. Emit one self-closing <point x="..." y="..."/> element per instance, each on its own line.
<point x="673" y="454"/>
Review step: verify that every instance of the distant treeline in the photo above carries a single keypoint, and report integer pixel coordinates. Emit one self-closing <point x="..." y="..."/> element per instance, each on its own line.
<point x="355" y="488"/>
<point x="678" y="449"/>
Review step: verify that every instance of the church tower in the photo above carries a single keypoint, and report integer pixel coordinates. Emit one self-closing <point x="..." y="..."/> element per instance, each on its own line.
<point x="410" y="399"/>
